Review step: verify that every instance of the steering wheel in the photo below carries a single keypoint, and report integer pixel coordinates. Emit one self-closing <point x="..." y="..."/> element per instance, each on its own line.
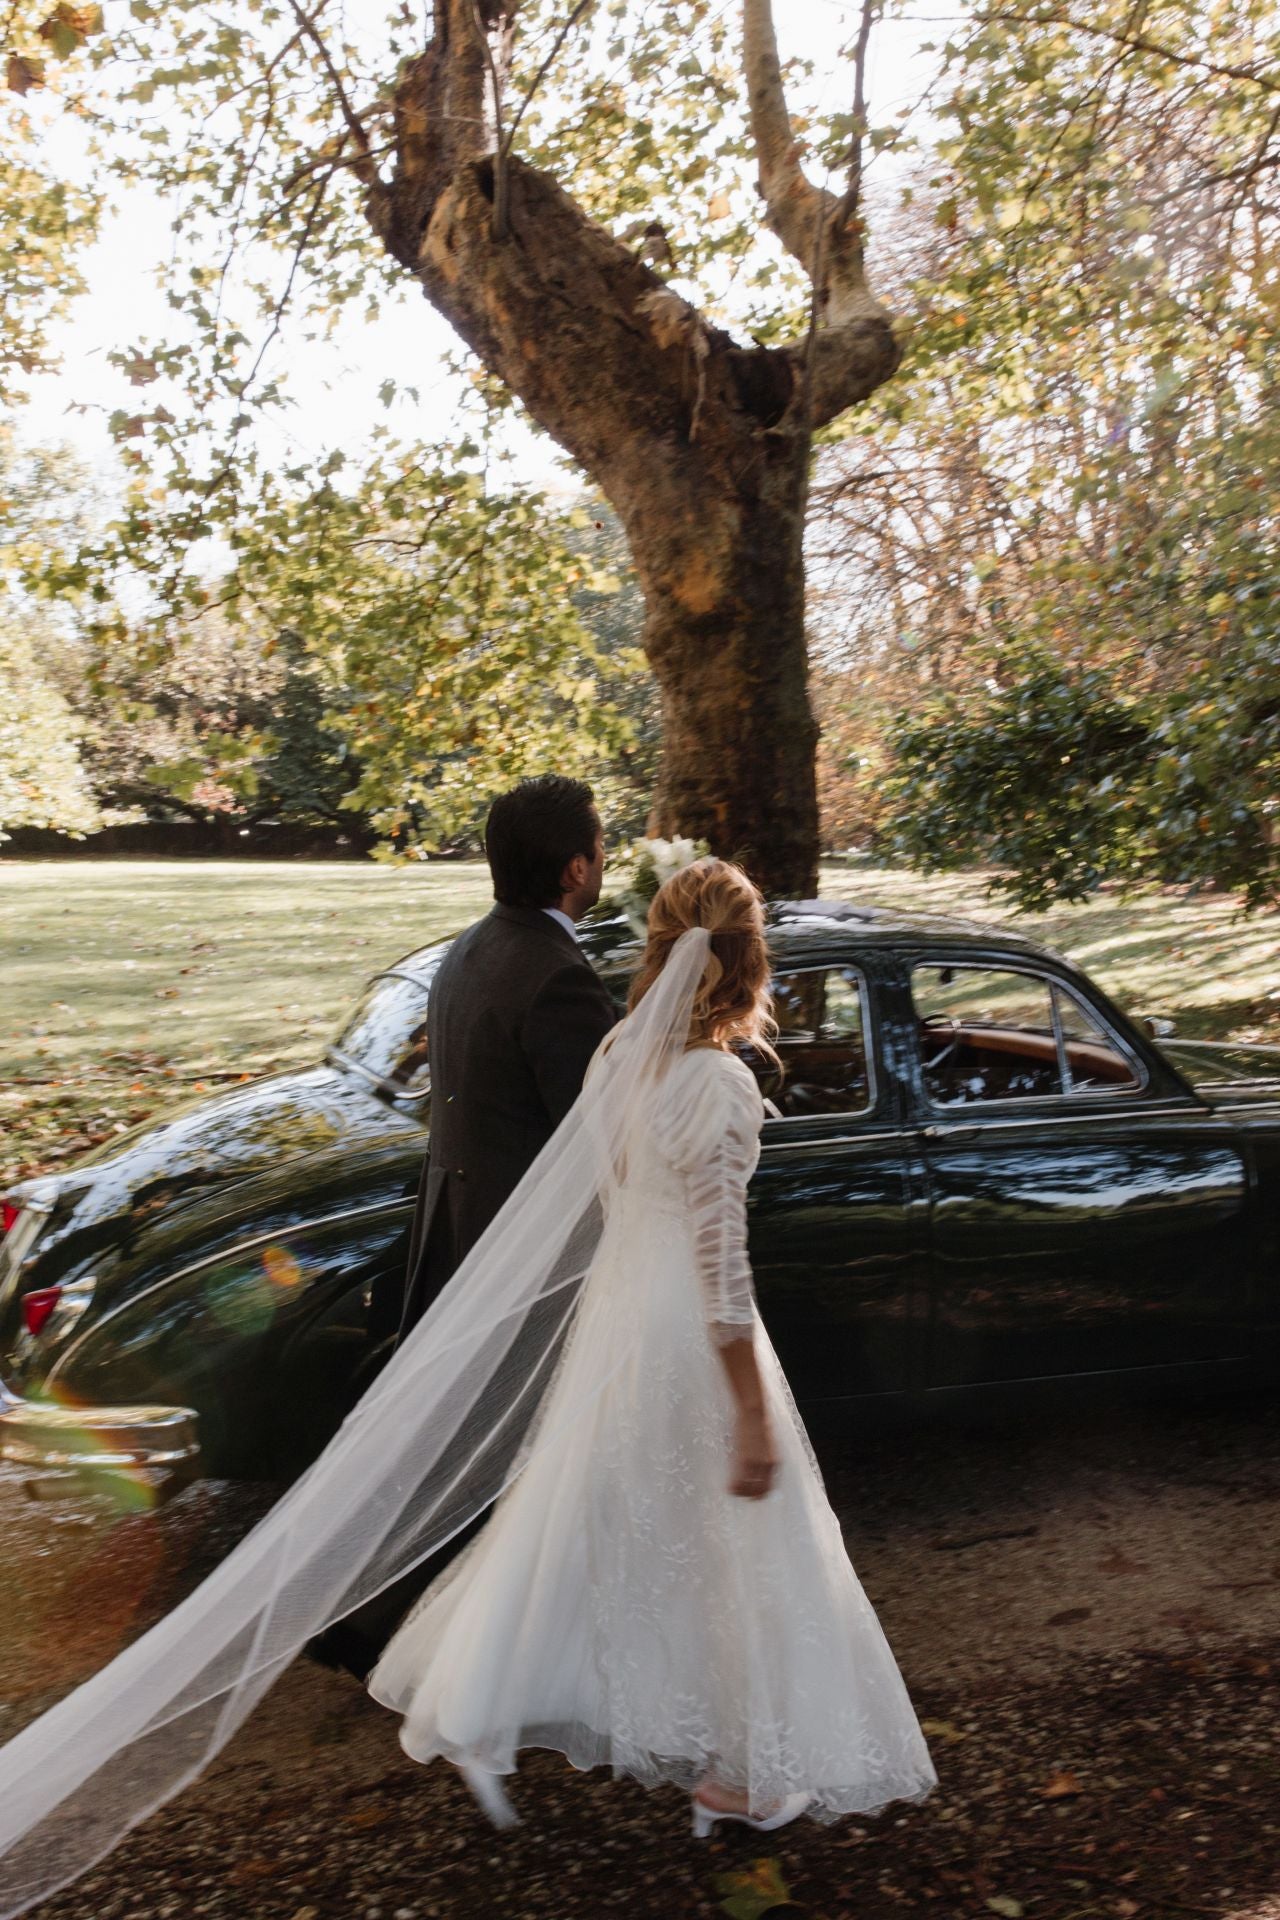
<point x="944" y="1023"/>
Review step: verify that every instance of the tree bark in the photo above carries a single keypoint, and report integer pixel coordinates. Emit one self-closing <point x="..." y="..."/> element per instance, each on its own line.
<point x="739" y="737"/>
<point x="701" y="445"/>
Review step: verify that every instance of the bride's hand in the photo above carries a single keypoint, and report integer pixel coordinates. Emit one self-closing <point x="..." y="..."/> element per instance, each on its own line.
<point x="755" y="1463"/>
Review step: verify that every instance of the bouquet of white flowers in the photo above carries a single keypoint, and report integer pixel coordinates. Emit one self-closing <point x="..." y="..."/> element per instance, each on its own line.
<point x="648" y="865"/>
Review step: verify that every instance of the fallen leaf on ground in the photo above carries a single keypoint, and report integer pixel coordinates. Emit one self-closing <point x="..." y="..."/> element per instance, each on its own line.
<point x="748" y="1896"/>
<point x="942" y="1730"/>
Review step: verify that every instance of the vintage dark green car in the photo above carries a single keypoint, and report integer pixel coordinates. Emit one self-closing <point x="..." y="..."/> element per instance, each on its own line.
<point x="981" y="1175"/>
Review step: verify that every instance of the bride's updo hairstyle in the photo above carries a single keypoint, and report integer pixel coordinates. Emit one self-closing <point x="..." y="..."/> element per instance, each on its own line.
<point x="734" y="1002"/>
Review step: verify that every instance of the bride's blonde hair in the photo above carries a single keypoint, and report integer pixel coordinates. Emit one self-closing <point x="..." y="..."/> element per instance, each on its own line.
<point x="734" y="1002"/>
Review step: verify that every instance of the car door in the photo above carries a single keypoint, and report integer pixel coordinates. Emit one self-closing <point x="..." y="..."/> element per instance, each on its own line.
<point x="256" y="1317"/>
<point x="1086" y="1213"/>
<point x="837" y="1227"/>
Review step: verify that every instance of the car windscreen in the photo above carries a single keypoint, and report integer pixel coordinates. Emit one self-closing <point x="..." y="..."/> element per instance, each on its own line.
<point x="387" y="1032"/>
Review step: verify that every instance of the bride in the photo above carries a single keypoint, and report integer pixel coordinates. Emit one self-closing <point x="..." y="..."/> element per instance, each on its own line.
<point x="665" y="1590"/>
<point x="661" y="1587"/>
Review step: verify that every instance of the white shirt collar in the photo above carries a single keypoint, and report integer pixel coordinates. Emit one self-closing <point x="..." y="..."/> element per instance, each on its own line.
<point x="562" y="920"/>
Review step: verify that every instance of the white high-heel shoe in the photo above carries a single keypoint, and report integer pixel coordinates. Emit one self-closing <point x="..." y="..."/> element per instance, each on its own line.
<point x="489" y="1793"/>
<point x="705" y="1817"/>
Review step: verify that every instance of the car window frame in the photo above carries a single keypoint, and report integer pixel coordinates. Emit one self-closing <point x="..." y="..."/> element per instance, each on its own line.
<point x="403" y="1097"/>
<point x="1064" y="1100"/>
<point x="862" y="1115"/>
<point x="1142" y="1077"/>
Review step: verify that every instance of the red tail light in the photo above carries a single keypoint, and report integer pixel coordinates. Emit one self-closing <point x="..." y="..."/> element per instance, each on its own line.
<point x="8" y="1214"/>
<point x="36" y="1307"/>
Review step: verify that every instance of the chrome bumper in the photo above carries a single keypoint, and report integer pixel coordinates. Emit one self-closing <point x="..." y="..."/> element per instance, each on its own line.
<point x="34" y="1433"/>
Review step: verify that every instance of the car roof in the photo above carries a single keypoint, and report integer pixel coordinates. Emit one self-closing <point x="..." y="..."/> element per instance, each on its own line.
<point x="797" y="928"/>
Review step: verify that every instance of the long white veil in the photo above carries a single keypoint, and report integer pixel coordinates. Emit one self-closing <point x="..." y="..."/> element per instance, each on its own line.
<point x="432" y="1443"/>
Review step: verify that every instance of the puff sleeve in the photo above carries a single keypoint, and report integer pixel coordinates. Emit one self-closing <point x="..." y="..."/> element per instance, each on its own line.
<point x="714" y="1140"/>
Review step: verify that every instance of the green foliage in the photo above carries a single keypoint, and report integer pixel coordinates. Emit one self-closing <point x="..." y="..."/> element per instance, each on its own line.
<point x="396" y="643"/>
<point x="1071" y="556"/>
<point x="205" y="719"/>
<point x="971" y="778"/>
<point x="244" y="124"/>
<point x="307" y="774"/>
<point x="453" y="627"/>
<point x="172" y="715"/>
<point x="1131" y="727"/>
<point x="44" y="220"/>
<point x="42" y="781"/>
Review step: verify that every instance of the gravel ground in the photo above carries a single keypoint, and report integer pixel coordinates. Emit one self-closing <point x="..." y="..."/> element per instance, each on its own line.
<point x="1088" y="1615"/>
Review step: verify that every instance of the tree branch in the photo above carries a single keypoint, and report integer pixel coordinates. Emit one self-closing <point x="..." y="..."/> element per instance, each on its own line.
<point x="849" y="347"/>
<point x="439" y="124"/>
<point x="794" y="207"/>
<point x="846" y="364"/>
<point x="546" y="66"/>
<point x="1136" y="43"/>
<point x="853" y="189"/>
<point x="365" y="168"/>
<point x="500" y="144"/>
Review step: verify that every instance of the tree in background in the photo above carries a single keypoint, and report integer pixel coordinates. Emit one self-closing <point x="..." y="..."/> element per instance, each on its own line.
<point x="214" y="722"/>
<point x="455" y="628"/>
<point x="528" y="170"/>
<point x="378" y="658"/>
<point x="1060" y="534"/>
<point x="42" y="780"/>
<point x="1040" y="566"/>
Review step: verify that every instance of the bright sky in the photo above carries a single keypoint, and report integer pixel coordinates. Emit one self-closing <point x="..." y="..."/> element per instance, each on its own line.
<point x="335" y="383"/>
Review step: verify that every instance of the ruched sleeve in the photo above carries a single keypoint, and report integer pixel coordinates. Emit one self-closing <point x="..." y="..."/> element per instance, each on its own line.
<point x="713" y="1138"/>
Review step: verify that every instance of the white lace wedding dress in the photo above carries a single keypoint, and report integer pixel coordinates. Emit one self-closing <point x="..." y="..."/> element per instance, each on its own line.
<point x="620" y="1605"/>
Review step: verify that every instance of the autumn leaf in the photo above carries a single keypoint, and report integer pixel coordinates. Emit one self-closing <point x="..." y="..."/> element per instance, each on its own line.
<point x="246" y="1872"/>
<point x="23" y="73"/>
<point x="139" y="370"/>
<point x="365" y="1817"/>
<point x="1061" y="1786"/>
<point x="746" y="1896"/>
<point x="60" y="35"/>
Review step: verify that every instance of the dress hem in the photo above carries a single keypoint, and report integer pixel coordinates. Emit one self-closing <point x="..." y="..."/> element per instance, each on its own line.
<point x="594" y="1752"/>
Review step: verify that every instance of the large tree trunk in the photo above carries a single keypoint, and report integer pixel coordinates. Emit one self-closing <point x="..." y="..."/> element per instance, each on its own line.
<point x="726" y="640"/>
<point x="701" y="445"/>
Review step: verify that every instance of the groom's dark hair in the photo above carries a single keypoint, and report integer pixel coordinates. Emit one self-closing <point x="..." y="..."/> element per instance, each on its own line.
<point x="532" y="834"/>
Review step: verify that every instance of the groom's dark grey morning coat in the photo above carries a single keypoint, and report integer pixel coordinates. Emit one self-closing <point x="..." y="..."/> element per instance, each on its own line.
<point x="515" y="1014"/>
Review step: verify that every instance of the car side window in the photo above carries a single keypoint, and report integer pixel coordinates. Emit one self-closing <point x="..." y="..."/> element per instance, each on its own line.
<point x="822" y="1043"/>
<point x="991" y="1033"/>
<point x="1093" y="1059"/>
<point x="985" y="1034"/>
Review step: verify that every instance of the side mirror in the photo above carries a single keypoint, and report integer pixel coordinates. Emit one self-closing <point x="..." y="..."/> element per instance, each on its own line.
<point x="1158" y="1026"/>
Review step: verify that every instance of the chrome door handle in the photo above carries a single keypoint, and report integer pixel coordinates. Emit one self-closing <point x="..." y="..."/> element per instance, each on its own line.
<point x="952" y="1133"/>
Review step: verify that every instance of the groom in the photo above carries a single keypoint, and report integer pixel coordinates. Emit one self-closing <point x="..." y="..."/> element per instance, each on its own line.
<point x="516" y="1012"/>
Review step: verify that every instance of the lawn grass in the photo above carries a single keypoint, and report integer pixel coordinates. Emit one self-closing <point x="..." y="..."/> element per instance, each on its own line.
<point x="126" y="984"/>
